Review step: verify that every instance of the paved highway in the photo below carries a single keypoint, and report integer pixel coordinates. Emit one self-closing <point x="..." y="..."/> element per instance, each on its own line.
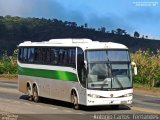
<point x="14" y="103"/>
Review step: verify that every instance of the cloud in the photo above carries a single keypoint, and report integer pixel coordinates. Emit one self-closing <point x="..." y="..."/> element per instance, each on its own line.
<point x="53" y="9"/>
<point x="36" y="8"/>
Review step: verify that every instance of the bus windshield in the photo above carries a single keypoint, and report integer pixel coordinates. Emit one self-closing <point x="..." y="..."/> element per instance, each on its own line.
<point x="108" y="69"/>
<point x="107" y="55"/>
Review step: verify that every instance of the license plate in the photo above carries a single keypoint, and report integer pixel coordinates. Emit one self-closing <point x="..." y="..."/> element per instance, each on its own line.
<point x="123" y="102"/>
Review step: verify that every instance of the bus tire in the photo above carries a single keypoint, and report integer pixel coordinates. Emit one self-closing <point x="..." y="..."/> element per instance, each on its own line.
<point x="35" y="94"/>
<point x="75" y="101"/>
<point x="30" y="97"/>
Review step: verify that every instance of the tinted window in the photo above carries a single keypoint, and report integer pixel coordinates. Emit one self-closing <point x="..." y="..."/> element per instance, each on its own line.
<point x="82" y="73"/>
<point x="65" y="57"/>
<point x="20" y="56"/>
<point x="38" y="55"/>
<point x="25" y="55"/>
<point x="55" y="56"/>
<point x="72" y="53"/>
<point x="48" y="55"/>
<point x="30" y="55"/>
<point x="107" y="55"/>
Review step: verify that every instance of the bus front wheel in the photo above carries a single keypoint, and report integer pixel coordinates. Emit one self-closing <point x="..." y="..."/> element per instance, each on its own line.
<point x="35" y="94"/>
<point x="75" y="101"/>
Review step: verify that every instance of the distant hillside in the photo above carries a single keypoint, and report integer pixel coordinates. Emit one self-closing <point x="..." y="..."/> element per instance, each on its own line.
<point x="14" y="30"/>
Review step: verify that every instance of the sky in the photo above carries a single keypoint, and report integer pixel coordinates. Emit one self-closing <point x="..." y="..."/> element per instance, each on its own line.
<point x="132" y="15"/>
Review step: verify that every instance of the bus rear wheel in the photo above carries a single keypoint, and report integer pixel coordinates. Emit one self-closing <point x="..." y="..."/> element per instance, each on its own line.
<point x="35" y="94"/>
<point x="75" y="101"/>
<point x="29" y="93"/>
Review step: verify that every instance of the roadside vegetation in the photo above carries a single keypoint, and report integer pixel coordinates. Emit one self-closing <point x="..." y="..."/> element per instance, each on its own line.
<point x="148" y="64"/>
<point x="8" y="65"/>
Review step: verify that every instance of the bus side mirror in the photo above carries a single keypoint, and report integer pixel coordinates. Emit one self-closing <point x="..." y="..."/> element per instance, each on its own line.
<point x="85" y="64"/>
<point x="134" y="68"/>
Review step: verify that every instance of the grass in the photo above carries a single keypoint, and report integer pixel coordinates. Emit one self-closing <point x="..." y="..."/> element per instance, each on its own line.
<point x="146" y="88"/>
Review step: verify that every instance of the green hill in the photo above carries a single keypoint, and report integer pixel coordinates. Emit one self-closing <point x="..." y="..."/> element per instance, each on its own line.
<point x="14" y="30"/>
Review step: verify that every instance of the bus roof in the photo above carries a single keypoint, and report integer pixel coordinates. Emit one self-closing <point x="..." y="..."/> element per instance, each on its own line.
<point x="72" y="42"/>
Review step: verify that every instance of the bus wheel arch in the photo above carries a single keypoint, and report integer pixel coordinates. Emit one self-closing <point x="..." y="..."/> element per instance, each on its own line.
<point x="35" y="93"/>
<point x="75" y="99"/>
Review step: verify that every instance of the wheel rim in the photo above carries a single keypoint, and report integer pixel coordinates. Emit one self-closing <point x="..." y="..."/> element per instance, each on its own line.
<point x="29" y="94"/>
<point x="28" y="91"/>
<point x="75" y="101"/>
<point x="35" y="95"/>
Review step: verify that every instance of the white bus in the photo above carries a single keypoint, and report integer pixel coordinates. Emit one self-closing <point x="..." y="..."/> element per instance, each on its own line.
<point x="80" y="71"/>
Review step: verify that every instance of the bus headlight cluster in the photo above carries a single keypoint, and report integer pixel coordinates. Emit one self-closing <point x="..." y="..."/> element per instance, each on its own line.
<point x="94" y="96"/>
<point x="128" y="95"/>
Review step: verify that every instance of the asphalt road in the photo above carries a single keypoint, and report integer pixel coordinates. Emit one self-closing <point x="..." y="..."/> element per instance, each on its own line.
<point x="14" y="104"/>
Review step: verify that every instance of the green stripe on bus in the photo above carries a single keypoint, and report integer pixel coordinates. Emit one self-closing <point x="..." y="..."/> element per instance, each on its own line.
<point x="53" y="74"/>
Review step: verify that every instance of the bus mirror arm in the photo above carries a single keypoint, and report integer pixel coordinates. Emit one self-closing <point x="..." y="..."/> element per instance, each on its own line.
<point x="134" y="68"/>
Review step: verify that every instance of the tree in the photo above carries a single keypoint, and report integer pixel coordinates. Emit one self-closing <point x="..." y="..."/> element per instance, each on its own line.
<point x="113" y="31"/>
<point x="136" y="34"/>
<point x="85" y="25"/>
<point x="119" y="31"/>
<point x="103" y="29"/>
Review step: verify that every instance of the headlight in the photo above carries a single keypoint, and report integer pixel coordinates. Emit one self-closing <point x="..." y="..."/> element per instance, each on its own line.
<point x="94" y="96"/>
<point x="128" y="95"/>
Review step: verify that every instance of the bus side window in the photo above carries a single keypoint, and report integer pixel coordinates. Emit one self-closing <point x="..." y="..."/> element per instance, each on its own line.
<point x="72" y="53"/>
<point x="52" y="55"/>
<point x="43" y="53"/>
<point x="20" y="56"/>
<point x="65" y="57"/>
<point x="80" y="67"/>
<point x="25" y="55"/>
<point x="55" y="56"/>
<point x="38" y="56"/>
<point x="47" y="56"/>
<point x="61" y="56"/>
<point x="30" y="55"/>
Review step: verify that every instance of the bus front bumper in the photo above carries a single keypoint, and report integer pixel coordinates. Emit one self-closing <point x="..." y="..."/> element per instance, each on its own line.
<point x="109" y="101"/>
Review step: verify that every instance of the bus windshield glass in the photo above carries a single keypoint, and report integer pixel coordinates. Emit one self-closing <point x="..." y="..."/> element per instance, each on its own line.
<point x="107" y="55"/>
<point x="108" y="69"/>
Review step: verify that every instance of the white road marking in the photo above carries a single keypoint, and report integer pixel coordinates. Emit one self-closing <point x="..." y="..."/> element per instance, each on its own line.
<point x="16" y="102"/>
<point x="27" y="104"/>
<point x="67" y="110"/>
<point x="52" y="108"/>
<point x="7" y="100"/>
<point x="38" y="105"/>
<point x="79" y="113"/>
<point x="152" y="96"/>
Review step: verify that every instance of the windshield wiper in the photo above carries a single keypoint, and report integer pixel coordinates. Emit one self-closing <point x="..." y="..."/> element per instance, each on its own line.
<point x="109" y="73"/>
<point x="119" y="82"/>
